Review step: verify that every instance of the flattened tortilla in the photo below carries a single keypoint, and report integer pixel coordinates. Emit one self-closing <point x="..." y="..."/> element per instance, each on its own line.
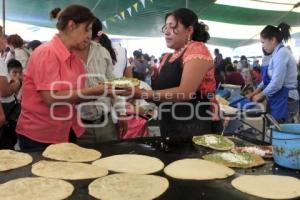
<point x="213" y="141"/>
<point x="128" y="187"/>
<point x="71" y="152"/>
<point x="197" y="169"/>
<point x="35" y="188"/>
<point x="238" y="160"/>
<point x="131" y="163"/>
<point x="10" y="159"/>
<point x="268" y="186"/>
<point x="67" y="170"/>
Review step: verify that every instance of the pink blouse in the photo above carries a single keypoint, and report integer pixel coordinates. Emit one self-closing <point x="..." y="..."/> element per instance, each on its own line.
<point x="196" y="50"/>
<point x="51" y="67"/>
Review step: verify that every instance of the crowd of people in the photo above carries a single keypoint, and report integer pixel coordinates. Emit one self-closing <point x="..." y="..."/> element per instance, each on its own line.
<point x="239" y="72"/>
<point x="55" y="92"/>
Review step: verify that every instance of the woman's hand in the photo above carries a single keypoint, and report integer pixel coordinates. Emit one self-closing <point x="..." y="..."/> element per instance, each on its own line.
<point x="99" y="89"/>
<point x="140" y="93"/>
<point x="252" y="94"/>
<point x="16" y="84"/>
<point x="134" y="93"/>
<point x="258" y="97"/>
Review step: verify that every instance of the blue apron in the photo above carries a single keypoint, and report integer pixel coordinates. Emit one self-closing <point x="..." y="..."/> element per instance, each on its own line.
<point x="277" y="103"/>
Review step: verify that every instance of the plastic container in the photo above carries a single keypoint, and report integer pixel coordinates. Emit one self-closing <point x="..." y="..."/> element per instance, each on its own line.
<point x="286" y="145"/>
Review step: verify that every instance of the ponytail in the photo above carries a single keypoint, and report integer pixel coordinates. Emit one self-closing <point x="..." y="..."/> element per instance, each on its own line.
<point x="200" y="32"/>
<point x="281" y="32"/>
<point x="54" y="13"/>
<point x="285" y="31"/>
<point x="77" y="13"/>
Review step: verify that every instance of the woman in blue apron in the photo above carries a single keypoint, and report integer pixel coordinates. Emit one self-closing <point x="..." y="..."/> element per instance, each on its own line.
<point x="279" y="77"/>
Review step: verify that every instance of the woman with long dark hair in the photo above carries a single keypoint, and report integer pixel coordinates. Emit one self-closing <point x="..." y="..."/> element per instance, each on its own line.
<point x="99" y="67"/>
<point x="99" y="36"/>
<point x="186" y="80"/>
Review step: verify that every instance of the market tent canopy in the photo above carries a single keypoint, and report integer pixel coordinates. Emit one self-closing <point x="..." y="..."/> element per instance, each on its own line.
<point x="232" y="23"/>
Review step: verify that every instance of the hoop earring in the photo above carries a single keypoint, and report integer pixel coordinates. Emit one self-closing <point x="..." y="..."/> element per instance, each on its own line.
<point x="188" y="39"/>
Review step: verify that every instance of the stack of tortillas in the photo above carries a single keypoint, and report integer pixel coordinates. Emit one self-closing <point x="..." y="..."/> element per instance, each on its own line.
<point x="130" y="163"/>
<point x="12" y="159"/>
<point x="35" y="189"/>
<point x="128" y="187"/>
<point x="197" y="169"/>
<point x="67" y="170"/>
<point x="268" y="186"/>
<point x="71" y="152"/>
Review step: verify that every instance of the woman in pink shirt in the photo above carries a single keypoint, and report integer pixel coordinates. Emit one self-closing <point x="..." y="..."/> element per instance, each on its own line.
<point x="54" y="83"/>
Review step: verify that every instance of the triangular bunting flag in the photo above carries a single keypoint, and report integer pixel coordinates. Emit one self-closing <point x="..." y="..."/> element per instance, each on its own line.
<point x="123" y="14"/>
<point x="135" y="7"/>
<point x="151" y="1"/>
<point x="104" y="24"/>
<point x="112" y="19"/>
<point x="118" y="17"/>
<point x="143" y="2"/>
<point x="129" y="10"/>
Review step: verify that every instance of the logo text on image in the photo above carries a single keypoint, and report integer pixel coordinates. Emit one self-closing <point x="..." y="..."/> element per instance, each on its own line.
<point x="56" y="106"/>
<point x="61" y="86"/>
<point x="240" y="113"/>
<point x="85" y="78"/>
<point x="93" y="104"/>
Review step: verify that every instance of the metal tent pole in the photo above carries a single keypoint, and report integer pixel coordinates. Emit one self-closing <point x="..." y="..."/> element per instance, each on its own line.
<point x="3" y="15"/>
<point x="187" y="2"/>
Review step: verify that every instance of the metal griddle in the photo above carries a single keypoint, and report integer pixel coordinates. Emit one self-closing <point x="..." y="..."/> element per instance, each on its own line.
<point x="178" y="189"/>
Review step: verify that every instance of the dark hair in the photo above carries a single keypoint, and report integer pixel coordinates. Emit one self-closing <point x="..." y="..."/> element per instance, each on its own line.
<point x="34" y="44"/>
<point x="77" y="13"/>
<point x="97" y="26"/>
<point x="106" y="43"/>
<point x="137" y="54"/>
<point x="227" y="60"/>
<point x="243" y="57"/>
<point x="217" y="51"/>
<point x="229" y="68"/>
<point x="188" y="18"/>
<point x="147" y="57"/>
<point x="281" y="32"/>
<point x="13" y="64"/>
<point x="15" y="40"/>
<point x="257" y="69"/>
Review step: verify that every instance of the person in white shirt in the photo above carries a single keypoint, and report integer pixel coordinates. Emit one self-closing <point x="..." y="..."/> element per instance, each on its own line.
<point x="120" y="65"/>
<point x="8" y="87"/>
<point x="99" y="66"/>
<point x="17" y="51"/>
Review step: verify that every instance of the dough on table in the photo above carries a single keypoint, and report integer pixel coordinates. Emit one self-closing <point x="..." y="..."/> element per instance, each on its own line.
<point x="128" y="187"/>
<point x="197" y="169"/>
